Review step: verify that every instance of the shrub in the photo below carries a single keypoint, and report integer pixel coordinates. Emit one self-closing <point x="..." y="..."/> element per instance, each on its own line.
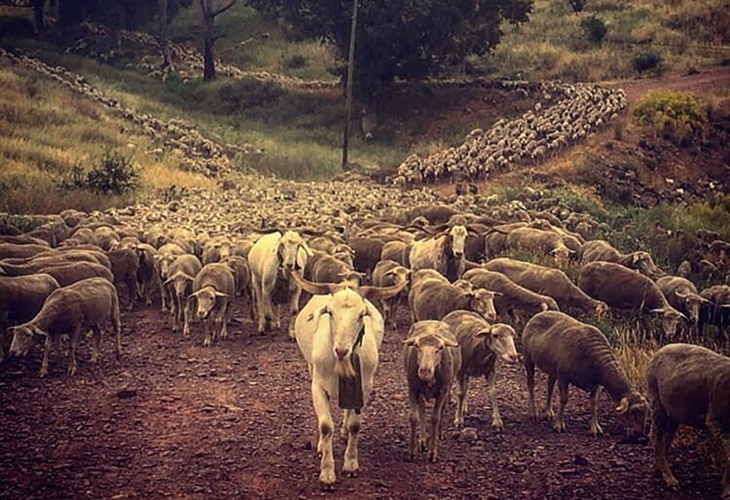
<point x="595" y="29"/>
<point x="577" y="5"/>
<point x="648" y="62"/>
<point x="675" y="116"/>
<point x="115" y="175"/>
<point x="295" y="62"/>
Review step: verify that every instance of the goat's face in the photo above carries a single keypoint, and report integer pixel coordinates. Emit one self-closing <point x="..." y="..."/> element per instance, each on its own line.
<point x="458" y="241"/>
<point x="22" y="339"/>
<point x="501" y="340"/>
<point x="347" y="314"/>
<point x="293" y="251"/>
<point x="482" y="302"/>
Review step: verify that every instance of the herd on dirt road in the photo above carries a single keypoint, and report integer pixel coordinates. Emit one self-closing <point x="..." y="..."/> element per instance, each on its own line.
<point x="468" y="296"/>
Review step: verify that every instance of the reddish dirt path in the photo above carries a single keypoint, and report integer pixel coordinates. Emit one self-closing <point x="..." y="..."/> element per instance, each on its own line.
<point x="699" y="83"/>
<point x="175" y="420"/>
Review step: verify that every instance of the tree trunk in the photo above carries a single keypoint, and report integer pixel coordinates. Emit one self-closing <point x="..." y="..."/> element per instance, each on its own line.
<point x="208" y="40"/>
<point x="162" y="15"/>
<point x="39" y="21"/>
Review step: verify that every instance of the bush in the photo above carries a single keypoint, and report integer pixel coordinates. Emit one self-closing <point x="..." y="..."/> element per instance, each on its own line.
<point x="295" y="62"/>
<point x="595" y="29"/>
<point x="577" y="5"/>
<point x="675" y="116"/>
<point x="648" y="62"/>
<point x="114" y="176"/>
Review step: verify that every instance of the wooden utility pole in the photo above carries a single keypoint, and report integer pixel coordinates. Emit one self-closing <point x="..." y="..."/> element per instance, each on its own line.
<point x="348" y="91"/>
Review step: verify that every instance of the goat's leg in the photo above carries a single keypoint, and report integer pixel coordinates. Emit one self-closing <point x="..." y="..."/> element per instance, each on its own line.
<point x="321" y="403"/>
<point x="351" y="465"/>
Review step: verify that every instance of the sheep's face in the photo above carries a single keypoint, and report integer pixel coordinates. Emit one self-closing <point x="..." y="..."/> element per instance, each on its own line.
<point x="207" y="298"/>
<point x="601" y="309"/>
<point x="458" y="241"/>
<point x="22" y="339"/>
<point x="561" y="254"/>
<point x="634" y="412"/>
<point x="645" y="264"/>
<point x="482" y="302"/>
<point x="345" y="254"/>
<point x="429" y="350"/>
<point x="163" y="263"/>
<point x="501" y="340"/>
<point x="670" y="321"/>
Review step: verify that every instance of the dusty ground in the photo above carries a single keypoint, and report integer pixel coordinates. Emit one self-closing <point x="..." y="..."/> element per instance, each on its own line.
<point x="173" y="419"/>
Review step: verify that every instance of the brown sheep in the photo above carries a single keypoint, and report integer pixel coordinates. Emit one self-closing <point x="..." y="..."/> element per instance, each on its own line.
<point x="602" y="250"/>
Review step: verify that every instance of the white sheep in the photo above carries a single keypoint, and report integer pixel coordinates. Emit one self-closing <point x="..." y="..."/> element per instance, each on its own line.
<point x="86" y="304"/>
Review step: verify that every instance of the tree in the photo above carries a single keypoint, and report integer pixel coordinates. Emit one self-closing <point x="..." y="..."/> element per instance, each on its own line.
<point x="209" y="36"/>
<point x="401" y="39"/>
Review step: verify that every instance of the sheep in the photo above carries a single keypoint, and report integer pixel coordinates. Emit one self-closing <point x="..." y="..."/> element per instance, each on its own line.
<point x="682" y="294"/>
<point x="84" y="305"/>
<point x="21" y="298"/>
<point x="601" y="250"/>
<point x="388" y="273"/>
<point x="213" y="288"/>
<point x="481" y="344"/>
<point x="216" y="249"/>
<point x="242" y="274"/>
<point x="571" y="352"/>
<point x="325" y="268"/>
<point x="125" y="265"/>
<point x="624" y="288"/>
<point x="547" y="242"/>
<point x="146" y="272"/>
<point x="432" y="360"/>
<point x="512" y="296"/>
<point x="15" y="250"/>
<point x="336" y="331"/>
<point x="717" y="311"/>
<point x="67" y="274"/>
<point x="547" y="281"/>
<point x="179" y="284"/>
<point x="166" y="254"/>
<point x="397" y="251"/>
<point x="689" y="385"/>
<point x="367" y="254"/>
<point x="434" y="299"/>
<point x="37" y="264"/>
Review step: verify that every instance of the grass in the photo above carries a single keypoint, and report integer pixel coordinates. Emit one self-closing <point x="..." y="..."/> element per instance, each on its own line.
<point x="46" y="130"/>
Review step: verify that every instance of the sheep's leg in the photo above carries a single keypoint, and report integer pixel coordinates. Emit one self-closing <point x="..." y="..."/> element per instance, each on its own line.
<point x="221" y="321"/>
<point x="721" y="441"/>
<point x="117" y="325"/>
<point x="351" y="465"/>
<point x="321" y="404"/>
<point x="47" y="346"/>
<point x="547" y="411"/>
<point x="175" y="312"/>
<point x="132" y="295"/>
<point x="414" y="417"/>
<point x="208" y="327"/>
<point x="436" y="415"/>
<point x="163" y="292"/>
<point x="95" y="344"/>
<point x="595" y="426"/>
<point x="462" y="386"/>
<point x="72" y="351"/>
<point x="662" y="434"/>
<point x="492" y="388"/>
<point x="530" y="370"/>
<point x="227" y="316"/>
<point x="559" y="424"/>
<point x="188" y="312"/>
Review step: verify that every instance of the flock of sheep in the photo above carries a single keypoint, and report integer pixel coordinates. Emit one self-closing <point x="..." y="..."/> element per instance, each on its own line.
<point x="467" y="301"/>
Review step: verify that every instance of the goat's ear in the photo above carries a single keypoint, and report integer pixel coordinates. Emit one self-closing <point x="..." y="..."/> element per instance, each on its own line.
<point x="623" y="406"/>
<point x="221" y="294"/>
<point x="449" y="342"/>
<point x="410" y="341"/>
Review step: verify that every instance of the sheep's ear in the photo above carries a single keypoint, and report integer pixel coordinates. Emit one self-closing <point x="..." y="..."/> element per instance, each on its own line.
<point x="38" y="331"/>
<point x="487" y="330"/>
<point x="623" y="406"/>
<point x="410" y="341"/>
<point x="657" y="311"/>
<point x="680" y="294"/>
<point x="450" y="343"/>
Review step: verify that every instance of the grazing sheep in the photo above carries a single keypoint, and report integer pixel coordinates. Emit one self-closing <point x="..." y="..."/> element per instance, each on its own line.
<point x="213" y="288"/>
<point x="84" y="305"/>
<point x="682" y="294"/>
<point x="602" y="250"/>
<point x="39" y="263"/>
<point x="179" y="285"/>
<point x="337" y="330"/>
<point x="22" y="250"/>
<point x="21" y="298"/>
<point x="67" y="274"/>
<point x="432" y="359"/>
<point x="546" y="242"/>
<point x="389" y="273"/>
<point x="548" y="281"/>
<point x="623" y="288"/>
<point x="689" y="385"/>
<point x="511" y="295"/>
<point x="717" y="311"/>
<point x="481" y="344"/>
<point x="571" y="352"/>
<point x="434" y="299"/>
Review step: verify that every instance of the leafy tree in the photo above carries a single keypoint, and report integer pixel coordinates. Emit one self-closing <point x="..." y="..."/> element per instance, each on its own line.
<point x="401" y="39"/>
